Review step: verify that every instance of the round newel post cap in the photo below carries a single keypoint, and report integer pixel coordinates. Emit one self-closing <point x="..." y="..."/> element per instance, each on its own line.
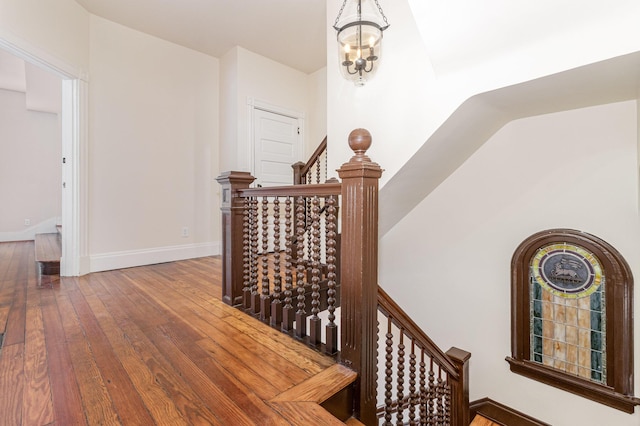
<point x="359" y="142"/>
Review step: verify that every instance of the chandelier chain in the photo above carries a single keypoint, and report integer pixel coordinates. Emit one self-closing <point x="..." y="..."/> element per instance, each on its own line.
<point x="384" y="17"/>
<point x="381" y="12"/>
<point x="335" y="24"/>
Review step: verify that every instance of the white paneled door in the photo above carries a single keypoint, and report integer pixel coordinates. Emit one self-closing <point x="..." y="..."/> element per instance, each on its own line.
<point x="277" y="145"/>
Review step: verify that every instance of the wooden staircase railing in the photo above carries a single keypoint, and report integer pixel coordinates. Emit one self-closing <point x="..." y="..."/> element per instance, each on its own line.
<point x="281" y="264"/>
<point x="314" y="170"/>
<point x="438" y="385"/>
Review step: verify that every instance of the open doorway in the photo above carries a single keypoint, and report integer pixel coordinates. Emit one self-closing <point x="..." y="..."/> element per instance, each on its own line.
<point x="69" y="169"/>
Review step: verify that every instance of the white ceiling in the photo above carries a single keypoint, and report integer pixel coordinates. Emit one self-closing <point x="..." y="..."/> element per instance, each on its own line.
<point x="292" y="32"/>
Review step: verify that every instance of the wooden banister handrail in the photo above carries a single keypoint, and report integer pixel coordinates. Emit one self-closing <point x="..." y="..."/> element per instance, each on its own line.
<point x="314" y="157"/>
<point x="301" y="169"/>
<point x="401" y="320"/>
<point x="320" y="190"/>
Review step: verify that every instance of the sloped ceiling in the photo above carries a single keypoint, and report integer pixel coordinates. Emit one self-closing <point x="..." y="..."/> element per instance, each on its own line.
<point x="461" y="33"/>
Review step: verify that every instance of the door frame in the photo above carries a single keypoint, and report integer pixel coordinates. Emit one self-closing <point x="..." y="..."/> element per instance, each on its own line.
<point x="254" y="104"/>
<point x="73" y="122"/>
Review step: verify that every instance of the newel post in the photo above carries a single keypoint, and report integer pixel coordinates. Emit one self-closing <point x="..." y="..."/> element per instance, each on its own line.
<point x="359" y="280"/>
<point x="297" y="172"/>
<point x="460" y="389"/>
<point x="232" y="208"/>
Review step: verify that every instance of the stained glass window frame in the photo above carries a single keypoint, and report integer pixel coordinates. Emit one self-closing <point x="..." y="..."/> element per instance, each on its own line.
<point x="611" y="274"/>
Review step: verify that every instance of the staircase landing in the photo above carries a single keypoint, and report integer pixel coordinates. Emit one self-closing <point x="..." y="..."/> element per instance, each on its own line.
<point x="149" y="345"/>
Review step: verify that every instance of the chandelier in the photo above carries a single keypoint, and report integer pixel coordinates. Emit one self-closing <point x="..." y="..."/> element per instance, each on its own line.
<point x="360" y="41"/>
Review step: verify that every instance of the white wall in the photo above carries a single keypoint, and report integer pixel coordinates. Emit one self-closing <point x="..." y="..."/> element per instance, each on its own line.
<point x="575" y="169"/>
<point x="153" y="152"/>
<point x="229" y="110"/>
<point x="252" y="76"/>
<point x="316" y="124"/>
<point x="30" y="170"/>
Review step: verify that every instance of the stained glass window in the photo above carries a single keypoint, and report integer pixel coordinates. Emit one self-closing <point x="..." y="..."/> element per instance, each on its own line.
<point x="572" y="316"/>
<point x="567" y="311"/>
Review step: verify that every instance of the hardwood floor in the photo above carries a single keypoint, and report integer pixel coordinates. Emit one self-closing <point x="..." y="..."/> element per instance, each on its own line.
<point x="144" y="346"/>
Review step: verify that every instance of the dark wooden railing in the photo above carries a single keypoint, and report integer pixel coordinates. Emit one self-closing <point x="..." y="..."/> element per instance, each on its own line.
<point x="284" y="263"/>
<point x="314" y="170"/>
<point x="437" y="391"/>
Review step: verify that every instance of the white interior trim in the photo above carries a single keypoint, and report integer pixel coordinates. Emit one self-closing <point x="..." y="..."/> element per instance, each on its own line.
<point x="74" y="141"/>
<point x="132" y="258"/>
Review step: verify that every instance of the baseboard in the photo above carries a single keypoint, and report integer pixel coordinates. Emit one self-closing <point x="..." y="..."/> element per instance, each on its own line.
<point x="44" y="227"/>
<point x="131" y="258"/>
<point x="502" y="414"/>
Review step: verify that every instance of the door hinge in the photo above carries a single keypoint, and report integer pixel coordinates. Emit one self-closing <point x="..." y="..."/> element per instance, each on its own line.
<point x="298" y="130"/>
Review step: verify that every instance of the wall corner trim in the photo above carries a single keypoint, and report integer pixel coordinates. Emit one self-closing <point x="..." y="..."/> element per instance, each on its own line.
<point x="150" y="256"/>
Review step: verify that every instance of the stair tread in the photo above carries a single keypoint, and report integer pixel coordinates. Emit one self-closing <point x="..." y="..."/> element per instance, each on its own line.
<point x="305" y="413"/>
<point x="478" y="420"/>
<point x="48" y="248"/>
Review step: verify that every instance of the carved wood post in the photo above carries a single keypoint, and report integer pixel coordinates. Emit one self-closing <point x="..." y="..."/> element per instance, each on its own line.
<point x="232" y="208"/>
<point x="460" y="389"/>
<point x="359" y="279"/>
<point x="297" y="172"/>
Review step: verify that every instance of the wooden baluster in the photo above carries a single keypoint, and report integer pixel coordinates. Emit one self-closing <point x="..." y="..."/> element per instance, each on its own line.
<point x="400" y="381"/>
<point x="246" y="255"/>
<point x="287" y="310"/>
<point x="325" y="157"/>
<point x="412" y="384"/>
<point x="276" y="303"/>
<point x="255" y="295"/>
<point x="439" y="399"/>
<point x="314" y="323"/>
<point x="388" y="374"/>
<point x="232" y="209"/>
<point x="447" y="402"/>
<point x="318" y="170"/>
<point x="331" y="330"/>
<point x="307" y="227"/>
<point x="301" y="315"/>
<point x="265" y="298"/>
<point x="423" y="389"/>
<point x="359" y="273"/>
<point x="431" y="395"/>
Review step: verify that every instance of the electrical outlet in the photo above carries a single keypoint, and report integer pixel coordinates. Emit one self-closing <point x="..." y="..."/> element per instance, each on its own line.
<point x="27" y="222"/>
<point x="185" y="232"/>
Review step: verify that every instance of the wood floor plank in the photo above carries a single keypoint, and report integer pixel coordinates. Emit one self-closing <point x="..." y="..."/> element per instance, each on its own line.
<point x="235" y="340"/>
<point x="67" y="403"/>
<point x="159" y="405"/>
<point x="6" y="253"/>
<point x="125" y="398"/>
<point x="151" y="345"/>
<point x="4" y="315"/>
<point x="12" y="384"/>
<point x="97" y="403"/>
<point x="37" y="408"/>
<point x="240" y="370"/>
<point x="17" y="274"/>
<point x="250" y="397"/>
<point x="132" y="322"/>
<point x="222" y="405"/>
